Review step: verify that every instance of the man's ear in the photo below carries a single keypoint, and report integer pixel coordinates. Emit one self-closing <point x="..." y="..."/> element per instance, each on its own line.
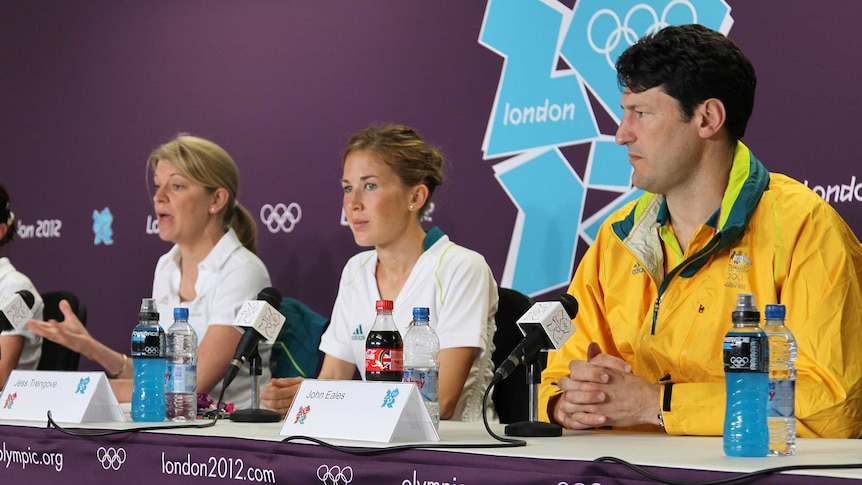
<point x="710" y="116"/>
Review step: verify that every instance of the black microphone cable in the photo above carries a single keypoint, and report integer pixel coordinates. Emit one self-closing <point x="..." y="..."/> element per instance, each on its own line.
<point x="97" y="433"/>
<point x="504" y="443"/>
<point x="269" y="295"/>
<point x="374" y="451"/>
<point x="514" y="443"/>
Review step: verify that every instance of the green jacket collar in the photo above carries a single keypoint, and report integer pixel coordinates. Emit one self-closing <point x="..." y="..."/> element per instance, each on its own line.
<point x="748" y="180"/>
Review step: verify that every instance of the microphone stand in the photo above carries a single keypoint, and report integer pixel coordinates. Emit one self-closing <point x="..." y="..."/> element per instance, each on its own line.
<point x="534" y="427"/>
<point x="255" y="414"/>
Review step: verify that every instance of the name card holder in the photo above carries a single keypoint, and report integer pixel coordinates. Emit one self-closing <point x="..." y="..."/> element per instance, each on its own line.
<point x="355" y="410"/>
<point x="72" y="397"/>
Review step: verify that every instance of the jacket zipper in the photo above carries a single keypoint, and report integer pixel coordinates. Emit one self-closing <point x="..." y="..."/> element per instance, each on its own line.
<point x="706" y="252"/>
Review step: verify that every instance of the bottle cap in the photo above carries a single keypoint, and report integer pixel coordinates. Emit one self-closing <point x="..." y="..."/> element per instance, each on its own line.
<point x="420" y="313"/>
<point x="746" y="302"/>
<point x="148" y="305"/>
<point x="746" y="310"/>
<point x="384" y="305"/>
<point x="181" y="313"/>
<point x="148" y="310"/>
<point x="775" y="312"/>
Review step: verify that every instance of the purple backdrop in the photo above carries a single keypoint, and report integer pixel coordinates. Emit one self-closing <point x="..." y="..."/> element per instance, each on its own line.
<point x="90" y="88"/>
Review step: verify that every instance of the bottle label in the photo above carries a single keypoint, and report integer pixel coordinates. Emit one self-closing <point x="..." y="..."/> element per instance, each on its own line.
<point x="782" y="394"/>
<point x="425" y="380"/>
<point x="746" y="353"/>
<point x="182" y="378"/>
<point x="384" y="360"/>
<point x="148" y="342"/>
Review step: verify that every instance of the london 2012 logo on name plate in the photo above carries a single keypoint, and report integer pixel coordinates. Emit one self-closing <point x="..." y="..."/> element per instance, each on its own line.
<point x="10" y="400"/>
<point x="389" y="400"/>
<point x="82" y="385"/>
<point x="302" y="414"/>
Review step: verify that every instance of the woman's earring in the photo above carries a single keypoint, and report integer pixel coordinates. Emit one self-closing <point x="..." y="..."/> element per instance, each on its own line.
<point x="411" y="206"/>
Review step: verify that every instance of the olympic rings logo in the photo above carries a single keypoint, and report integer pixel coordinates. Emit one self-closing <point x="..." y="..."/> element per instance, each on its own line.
<point x="334" y="475"/>
<point x="280" y="217"/>
<point x="111" y="458"/>
<point x="152" y="350"/>
<point x="623" y="29"/>
<point x="733" y="276"/>
<point x="739" y="361"/>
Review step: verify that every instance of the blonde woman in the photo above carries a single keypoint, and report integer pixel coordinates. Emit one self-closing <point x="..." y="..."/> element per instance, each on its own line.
<point x="211" y="269"/>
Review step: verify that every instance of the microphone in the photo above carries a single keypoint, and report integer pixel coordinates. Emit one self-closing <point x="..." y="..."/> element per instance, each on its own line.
<point x="546" y="326"/>
<point x="16" y="310"/>
<point x="262" y="321"/>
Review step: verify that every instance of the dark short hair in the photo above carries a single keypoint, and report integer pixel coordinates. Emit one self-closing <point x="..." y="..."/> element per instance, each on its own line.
<point x="692" y="63"/>
<point x="6" y="216"/>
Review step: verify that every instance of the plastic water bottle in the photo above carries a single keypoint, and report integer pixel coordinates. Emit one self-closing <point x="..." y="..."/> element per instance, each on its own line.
<point x="420" y="361"/>
<point x="781" y="416"/>
<point x="182" y="399"/>
<point x="148" y="361"/>
<point x="384" y="349"/>
<point x="746" y="372"/>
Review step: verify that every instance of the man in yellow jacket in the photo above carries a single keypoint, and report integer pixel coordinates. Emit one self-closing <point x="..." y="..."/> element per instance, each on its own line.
<point x="657" y="287"/>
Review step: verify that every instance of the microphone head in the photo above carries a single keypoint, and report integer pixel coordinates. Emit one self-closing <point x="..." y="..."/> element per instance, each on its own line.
<point x="16" y="310"/>
<point x="262" y="315"/>
<point x="554" y="318"/>
<point x="271" y="296"/>
<point x="570" y="304"/>
<point x="547" y="325"/>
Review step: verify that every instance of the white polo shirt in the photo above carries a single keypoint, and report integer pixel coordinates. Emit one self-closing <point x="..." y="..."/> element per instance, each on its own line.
<point x="227" y="277"/>
<point x="456" y="285"/>
<point x="12" y="281"/>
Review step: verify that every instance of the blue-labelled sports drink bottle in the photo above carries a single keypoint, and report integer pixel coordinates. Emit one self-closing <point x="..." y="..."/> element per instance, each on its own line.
<point x="148" y="361"/>
<point x="746" y="372"/>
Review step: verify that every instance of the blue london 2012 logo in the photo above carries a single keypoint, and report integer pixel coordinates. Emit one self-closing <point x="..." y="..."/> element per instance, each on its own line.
<point x="102" y="227"/>
<point x="389" y="399"/>
<point x="82" y="385"/>
<point x="556" y="60"/>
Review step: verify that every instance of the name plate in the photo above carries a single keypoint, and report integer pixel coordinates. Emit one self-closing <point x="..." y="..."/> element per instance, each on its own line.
<point x="357" y="410"/>
<point x="72" y="397"/>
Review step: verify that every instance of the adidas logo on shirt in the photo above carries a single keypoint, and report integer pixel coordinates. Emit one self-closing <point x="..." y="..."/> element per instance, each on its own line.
<point x="358" y="334"/>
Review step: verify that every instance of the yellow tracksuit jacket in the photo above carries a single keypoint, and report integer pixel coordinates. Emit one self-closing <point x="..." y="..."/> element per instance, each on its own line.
<point x="772" y="237"/>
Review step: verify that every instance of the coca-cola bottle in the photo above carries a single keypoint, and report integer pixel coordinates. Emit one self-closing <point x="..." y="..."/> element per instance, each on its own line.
<point x="384" y="349"/>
